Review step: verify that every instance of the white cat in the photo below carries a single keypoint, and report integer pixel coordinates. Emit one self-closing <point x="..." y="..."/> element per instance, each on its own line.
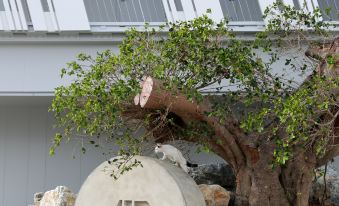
<point x="174" y="155"/>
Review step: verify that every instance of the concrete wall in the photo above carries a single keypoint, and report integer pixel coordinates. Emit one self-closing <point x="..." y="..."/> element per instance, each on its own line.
<point x="25" y="165"/>
<point x="34" y="67"/>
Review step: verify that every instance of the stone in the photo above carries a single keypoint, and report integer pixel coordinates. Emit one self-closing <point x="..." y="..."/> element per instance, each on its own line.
<point x="215" y="195"/>
<point x="156" y="183"/>
<point x="332" y="187"/>
<point x="214" y="174"/>
<point x="60" y="196"/>
<point x="37" y="198"/>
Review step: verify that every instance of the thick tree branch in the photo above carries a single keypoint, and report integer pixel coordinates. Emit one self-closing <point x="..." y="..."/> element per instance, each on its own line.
<point x="329" y="50"/>
<point x="155" y="96"/>
<point x="321" y="54"/>
<point x="330" y="154"/>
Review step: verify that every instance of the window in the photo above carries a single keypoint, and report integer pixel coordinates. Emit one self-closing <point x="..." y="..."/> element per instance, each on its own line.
<point x="125" y="10"/>
<point x="44" y="4"/>
<point x="141" y="203"/>
<point x="130" y="203"/>
<point x="296" y="4"/>
<point x="26" y="11"/>
<point x="178" y="5"/>
<point x="241" y="10"/>
<point x="2" y="7"/>
<point x="329" y="9"/>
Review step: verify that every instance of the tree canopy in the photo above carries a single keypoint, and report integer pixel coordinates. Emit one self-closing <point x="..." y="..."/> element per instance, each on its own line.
<point x="212" y="86"/>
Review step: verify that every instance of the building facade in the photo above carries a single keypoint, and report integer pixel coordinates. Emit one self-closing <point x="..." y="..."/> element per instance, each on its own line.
<point x="38" y="38"/>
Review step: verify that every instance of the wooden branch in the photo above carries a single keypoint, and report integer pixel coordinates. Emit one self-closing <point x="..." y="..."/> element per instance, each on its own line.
<point x="321" y="54"/>
<point x="324" y="69"/>
<point x="155" y="96"/>
<point x="330" y="154"/>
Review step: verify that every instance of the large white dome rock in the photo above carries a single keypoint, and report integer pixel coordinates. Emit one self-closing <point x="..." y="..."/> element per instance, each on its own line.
<point x="157" y="183"/>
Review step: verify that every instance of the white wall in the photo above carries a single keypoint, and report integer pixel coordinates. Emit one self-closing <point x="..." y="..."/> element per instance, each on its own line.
<point x="25" y="165"/>
<point x="36" y="67"/>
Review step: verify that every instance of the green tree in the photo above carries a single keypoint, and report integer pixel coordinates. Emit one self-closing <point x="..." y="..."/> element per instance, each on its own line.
<point x="202" y="83"/>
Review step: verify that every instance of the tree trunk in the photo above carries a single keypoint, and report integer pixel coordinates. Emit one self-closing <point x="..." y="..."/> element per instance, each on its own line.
<point x="258" y="184"/>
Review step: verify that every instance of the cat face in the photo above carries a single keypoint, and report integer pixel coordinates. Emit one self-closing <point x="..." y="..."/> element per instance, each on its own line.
<point x="158" y="148"/>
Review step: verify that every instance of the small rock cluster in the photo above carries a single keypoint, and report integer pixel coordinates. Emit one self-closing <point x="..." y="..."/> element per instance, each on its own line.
<point x="60" y="196"/>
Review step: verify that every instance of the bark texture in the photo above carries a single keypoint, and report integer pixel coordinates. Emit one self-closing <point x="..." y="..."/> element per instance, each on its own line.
<point x="250" y="156"/>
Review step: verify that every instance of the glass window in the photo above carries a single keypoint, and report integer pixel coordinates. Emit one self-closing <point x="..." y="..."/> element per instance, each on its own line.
<point x="44" y="4"/>
<point x="241" y="10"/>
<point x="2" y="7"/>
<point x="26" y="11"/>
<point x="329" y="9"/>
<point x="125" y="10"/>
<point x="178" y="4"/>
<point x="296" y="4"/>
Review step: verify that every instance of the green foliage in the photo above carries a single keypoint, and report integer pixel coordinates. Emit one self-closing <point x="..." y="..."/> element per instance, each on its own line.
<point x="285" y="19"/>
<point x="196" y="57"/>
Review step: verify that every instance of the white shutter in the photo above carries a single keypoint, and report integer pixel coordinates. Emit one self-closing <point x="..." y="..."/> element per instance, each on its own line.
<point x="214" y="5"/>
<point x="52" y="17"/>
<point x="289" y="2"/>
<point x="2" y="26"/>
<point x="9" y="15"/>
<point x="168" y="13"/>
<point x="37" y="15"/>
<point x="175" y="13"/>
<point x="22" y="15"/>
<point x="310" y="4"/>
<point x="71" y="15"/>
<point x="187" y="5"/>
<point x="263" y="5"/>
<point x="15" y="15"/>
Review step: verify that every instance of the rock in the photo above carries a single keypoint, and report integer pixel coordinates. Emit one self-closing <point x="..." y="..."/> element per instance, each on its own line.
<point x="37" y="198"/>
<point x="214" y="174"/>
<point x="156" y="183"/>
<point x="332" y="187"/>
<point x="60" y="196"/>
<point x="215" y="195"/>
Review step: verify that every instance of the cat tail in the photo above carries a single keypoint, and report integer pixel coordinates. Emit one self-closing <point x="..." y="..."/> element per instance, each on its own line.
<point x="191" y="164"/>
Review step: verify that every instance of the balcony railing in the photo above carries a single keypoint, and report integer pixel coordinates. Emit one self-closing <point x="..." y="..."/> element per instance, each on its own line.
<point x="114" y="15"/>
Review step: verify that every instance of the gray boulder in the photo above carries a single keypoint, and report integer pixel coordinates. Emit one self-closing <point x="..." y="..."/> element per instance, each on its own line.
<point x="214" y="174"/>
